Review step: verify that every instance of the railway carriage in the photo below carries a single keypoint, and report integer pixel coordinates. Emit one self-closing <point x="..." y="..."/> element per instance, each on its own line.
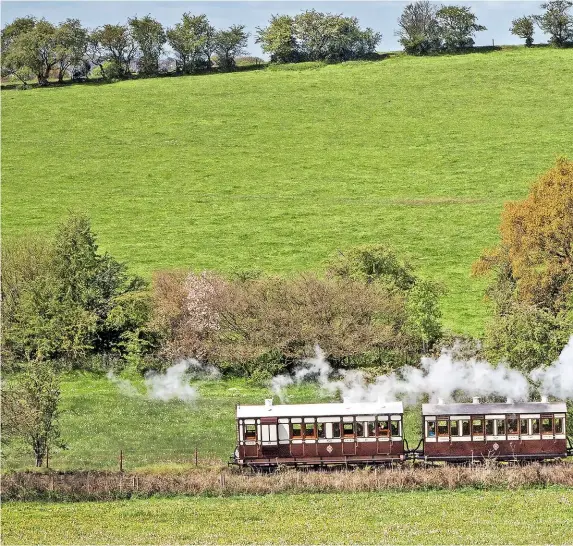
<point x="319" y="434"/>
<point x="510" y="431"/>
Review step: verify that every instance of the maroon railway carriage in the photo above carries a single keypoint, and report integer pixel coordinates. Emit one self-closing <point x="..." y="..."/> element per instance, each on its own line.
<point x="510" y="431"/>
<point x="319" y="434"/>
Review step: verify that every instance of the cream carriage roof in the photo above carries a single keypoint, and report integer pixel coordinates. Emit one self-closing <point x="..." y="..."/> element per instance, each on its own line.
<point x="320" y="410"/>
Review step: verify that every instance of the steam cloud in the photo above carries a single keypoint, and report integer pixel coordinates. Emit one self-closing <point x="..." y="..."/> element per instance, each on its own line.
<point x="171" y="385"/>
<point x="438" y="378"/>
<point x="557" y="379"/>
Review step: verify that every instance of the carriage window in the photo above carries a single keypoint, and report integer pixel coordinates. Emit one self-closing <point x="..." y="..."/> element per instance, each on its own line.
<point x="309" y="430"/>
<point x="559" y="425"/>
<point x="359" y="428"/>
<point x="547" y="425"/>
<point x="321" y="430"/>
<point x="395" y="428"/>
<point x="336" y="430"/>
<point x="454" y="428"/>
<point x="371" y="428"/>
<point x="477" y="426"/>
<point x="348" y="429"/>
<point x="535" y="426"/>
<point x="512" y="426"/>
<point x="489" y="427"/>
<point x="523" y="427"/>
<point x="296" y="431"/>
<point x="431" y="425"/>
<point x="383" y="429"/>
<point x="500" y="426"/>
<point x="250" y="432"/>
<point x="443" y="428"/>
<point x="465" y="427"/>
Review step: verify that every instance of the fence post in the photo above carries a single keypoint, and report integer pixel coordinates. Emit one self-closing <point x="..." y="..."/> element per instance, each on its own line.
<point x="196" y="456"/>
<point x="47" y="457"/>
<point x="121" y="460"/>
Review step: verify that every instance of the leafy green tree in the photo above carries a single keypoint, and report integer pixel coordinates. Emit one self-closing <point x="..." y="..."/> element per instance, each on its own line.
<point x="113" y="43"/>
<point x="191" y="39"/>
<point x="229" y="44"/>
<point x="457" y="26"/>
<point x="30" y="46"/>
<point x="149" y="35"/>
<point x="64" y="300"/>
<point x="556" y="21"/>
<point x="424" y="312"/>
<point x="30" y="409"/>
<point x="371" y="263"/>
<point x="71" y="46"/>
<point x="523" y="27"/>
<point x="325" y="36"/>
<point x="527" y="336"/>
<point x="419" y="32"/>
<point x="11" y="62"/>
<point x="278" y="39"/>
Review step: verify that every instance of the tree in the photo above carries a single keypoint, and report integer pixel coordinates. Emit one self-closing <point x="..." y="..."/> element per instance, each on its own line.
<point x="278" y="39"/>
<point x="523" y="27"/>
<point x="191" y="40"/>
<point x="371" y="263"/>
<point x="116" y="44"/>
<point x="29" y="45"/>
<point x="424" y="312"/>
<point x="316" y="36"/>
<point x="12" y="63"/>
<point x="532" y="285"/>
<point x="150" y="37"/>
<point x="419" y="33"/>
<point x="229" y="44"/>
<point x="71" y="46"/>
<point x="556" y="21"/>
<point x="30" y="409"/>
<point x="62" y="299"/>
<point x="457" y="26"/>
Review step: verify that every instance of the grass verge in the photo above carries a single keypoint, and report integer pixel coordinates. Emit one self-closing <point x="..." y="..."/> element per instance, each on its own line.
<point x="435" y="517"/>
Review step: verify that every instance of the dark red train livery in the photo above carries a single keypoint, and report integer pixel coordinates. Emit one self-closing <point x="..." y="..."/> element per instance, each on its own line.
<point x="372" y="433"/>
<point x="511" y="431"/>
<point x="319" y="434"/>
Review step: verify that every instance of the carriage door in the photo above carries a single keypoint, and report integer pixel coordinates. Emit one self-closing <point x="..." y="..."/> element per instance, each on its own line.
<point x="269" y="436"/>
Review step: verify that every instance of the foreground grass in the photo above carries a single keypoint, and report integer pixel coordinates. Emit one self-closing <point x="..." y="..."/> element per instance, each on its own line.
<point x="459" y="517"/>
<point x="278" y="169"/>
<point x="98" y="420"/>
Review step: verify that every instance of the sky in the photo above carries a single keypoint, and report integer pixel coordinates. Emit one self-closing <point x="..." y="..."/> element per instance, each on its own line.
<point x="379" y="15"/>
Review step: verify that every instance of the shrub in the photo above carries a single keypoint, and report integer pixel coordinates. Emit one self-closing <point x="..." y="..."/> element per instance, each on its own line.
<point x="61" y="299"/>
<point x="258" y="325"/>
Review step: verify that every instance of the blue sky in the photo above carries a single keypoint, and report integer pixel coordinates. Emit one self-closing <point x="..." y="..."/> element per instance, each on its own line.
<point x="381" y="16"/>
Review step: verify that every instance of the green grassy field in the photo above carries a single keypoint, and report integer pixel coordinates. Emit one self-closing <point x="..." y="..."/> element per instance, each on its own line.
<point x="98" y="421"/>
<point x="276" y="169"/>
<point x="458" y="517"/>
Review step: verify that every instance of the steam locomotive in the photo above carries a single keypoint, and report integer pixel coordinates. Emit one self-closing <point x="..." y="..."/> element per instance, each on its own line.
<point x="356" y="434"/>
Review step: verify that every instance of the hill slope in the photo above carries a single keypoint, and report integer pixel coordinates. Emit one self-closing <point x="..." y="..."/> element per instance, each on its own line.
<point x="278" y="169"/>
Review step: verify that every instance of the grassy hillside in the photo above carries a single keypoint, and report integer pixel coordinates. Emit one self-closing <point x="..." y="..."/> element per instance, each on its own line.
<point x="98" y="420"/>
<point x="276" y="169"/>
<point x="434" y="517"/>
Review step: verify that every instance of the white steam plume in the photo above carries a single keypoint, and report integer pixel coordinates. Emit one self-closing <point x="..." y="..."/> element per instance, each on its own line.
<point x="438" y="378"/>
<point x="173" y="384"/>
<point x="557" y="379"/>
<point x="125" y="386"/>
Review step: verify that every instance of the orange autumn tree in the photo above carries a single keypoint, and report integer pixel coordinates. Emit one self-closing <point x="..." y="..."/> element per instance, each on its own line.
<point x="532" y="289"/>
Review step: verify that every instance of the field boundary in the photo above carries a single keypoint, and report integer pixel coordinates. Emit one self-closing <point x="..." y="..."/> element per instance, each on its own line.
<point x="101" y="485"/>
